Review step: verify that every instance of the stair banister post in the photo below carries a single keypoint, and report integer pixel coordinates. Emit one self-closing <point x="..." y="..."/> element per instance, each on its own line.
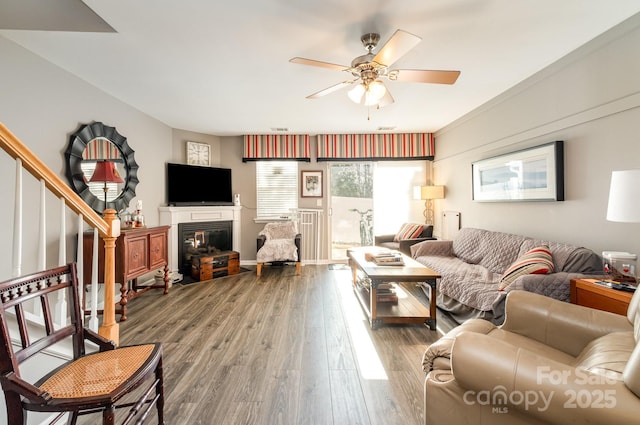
<point x="109" y="328"/>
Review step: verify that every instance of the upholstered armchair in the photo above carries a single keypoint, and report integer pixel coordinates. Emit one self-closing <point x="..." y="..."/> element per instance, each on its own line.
<point x="551" y="362"/>
<point x="409" y="234"/>
<point x="279" y="243"/>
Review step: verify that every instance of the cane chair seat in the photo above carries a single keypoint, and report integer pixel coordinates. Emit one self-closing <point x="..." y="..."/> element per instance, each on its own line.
<point x="99" y="374"/>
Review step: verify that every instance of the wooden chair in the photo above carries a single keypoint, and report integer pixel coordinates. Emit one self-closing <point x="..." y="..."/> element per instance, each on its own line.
<point x="90" y="383"/>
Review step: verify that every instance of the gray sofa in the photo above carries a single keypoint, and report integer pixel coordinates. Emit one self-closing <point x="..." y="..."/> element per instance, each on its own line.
<point x="473" y="264"/>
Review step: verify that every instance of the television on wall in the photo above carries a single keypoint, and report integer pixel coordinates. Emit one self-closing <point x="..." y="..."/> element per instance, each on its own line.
<point x="190" y="185"/>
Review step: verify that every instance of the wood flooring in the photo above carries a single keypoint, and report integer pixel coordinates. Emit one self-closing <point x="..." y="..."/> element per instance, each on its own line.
<point x="280" y="349"/>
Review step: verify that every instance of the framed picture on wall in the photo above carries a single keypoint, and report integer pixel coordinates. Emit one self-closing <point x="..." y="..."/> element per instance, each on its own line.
<point x="534" y="174"/>
<point x="311" y="184"/>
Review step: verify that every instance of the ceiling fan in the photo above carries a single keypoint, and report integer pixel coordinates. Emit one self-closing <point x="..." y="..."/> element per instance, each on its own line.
<point x="369" y="68"/>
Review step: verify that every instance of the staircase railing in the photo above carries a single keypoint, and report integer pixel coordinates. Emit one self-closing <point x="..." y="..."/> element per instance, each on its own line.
<point x="107" y="226"/>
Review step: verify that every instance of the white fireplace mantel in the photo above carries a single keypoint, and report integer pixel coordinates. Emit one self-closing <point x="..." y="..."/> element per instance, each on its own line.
<point x="175" y="215"/>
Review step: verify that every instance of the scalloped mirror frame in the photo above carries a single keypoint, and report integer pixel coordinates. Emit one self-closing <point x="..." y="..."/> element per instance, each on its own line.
<point x="74" y="155"/>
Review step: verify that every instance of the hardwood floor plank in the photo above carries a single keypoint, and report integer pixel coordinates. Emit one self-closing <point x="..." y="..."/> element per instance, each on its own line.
<point x="244" y="413"/>
<point x="315" y="389"/>
<point x="281" y="397"/>
<point x="349" y="406"/>
<point x="338" y="342"/>
<point x="382" y="402"/>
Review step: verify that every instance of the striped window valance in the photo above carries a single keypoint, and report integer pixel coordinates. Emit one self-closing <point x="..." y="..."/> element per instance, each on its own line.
<point x="375" y="147"/>
<point x="276" y="147"/>
<point x="101" y="148"/>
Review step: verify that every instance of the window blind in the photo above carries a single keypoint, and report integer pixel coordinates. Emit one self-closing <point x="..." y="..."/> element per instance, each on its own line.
<point x="276" y="188"/>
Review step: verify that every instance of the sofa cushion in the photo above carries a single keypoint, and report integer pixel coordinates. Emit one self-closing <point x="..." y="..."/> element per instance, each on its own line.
<point x="466" y="244"/>
<point x="409" y="231"/>
<point x="535" y="261"/>
<point x="493" y="250"/>
<point x="500" y="250"/>
<point x="470" y="284"/>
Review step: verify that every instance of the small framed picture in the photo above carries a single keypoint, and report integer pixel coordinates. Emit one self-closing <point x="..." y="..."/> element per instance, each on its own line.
<point x="311" y="184"/>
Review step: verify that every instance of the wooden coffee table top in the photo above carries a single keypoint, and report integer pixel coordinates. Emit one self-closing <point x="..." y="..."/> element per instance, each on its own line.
<point x="411" y="271"/>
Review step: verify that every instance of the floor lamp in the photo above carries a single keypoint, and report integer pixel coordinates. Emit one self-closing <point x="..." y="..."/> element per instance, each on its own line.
<point x="428" y="194"/>
<point x="106" y="172"/>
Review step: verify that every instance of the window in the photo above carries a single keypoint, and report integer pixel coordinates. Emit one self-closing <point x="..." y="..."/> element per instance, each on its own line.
<point x="276" y="187"/>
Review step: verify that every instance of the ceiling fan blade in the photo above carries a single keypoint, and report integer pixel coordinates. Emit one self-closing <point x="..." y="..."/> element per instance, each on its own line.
<point x="424" y="76"/>
<point x="304" y="61"/>
<point x="331" y="89"/>
<point x="396" y="47"/>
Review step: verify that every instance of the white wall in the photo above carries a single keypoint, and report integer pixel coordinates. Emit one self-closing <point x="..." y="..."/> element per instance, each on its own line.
<point x="43" y="105"/>
<point x="590" y="100"/>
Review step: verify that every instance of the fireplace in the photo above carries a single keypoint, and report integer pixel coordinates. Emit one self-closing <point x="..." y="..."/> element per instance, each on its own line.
<point x="206" y="237"/>
<point x="175" y="216"/>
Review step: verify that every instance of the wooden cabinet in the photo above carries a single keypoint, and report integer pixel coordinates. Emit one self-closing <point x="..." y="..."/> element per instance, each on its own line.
<point x="210" y="266"/>
<point x="138" y="252"/>
<point x="589" y="294"/>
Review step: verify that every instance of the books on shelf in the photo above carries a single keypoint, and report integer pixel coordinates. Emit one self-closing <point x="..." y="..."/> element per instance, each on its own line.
<point x="386" y="293"/>
<point x="392" y="299"/>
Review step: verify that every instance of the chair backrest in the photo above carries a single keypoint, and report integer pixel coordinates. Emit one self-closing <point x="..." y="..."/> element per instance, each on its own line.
<point x="427" y="231"/>
<point x="42" y="287"/>
<point x="280" y="230"/>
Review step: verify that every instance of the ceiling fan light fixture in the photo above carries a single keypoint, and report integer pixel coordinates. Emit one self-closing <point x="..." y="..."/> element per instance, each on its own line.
<point x="376" y="90"/>
<point x="368" y="94"/>
<point x="356" y="93"/>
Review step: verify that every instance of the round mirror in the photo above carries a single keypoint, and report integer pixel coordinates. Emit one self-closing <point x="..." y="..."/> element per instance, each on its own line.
<point x="101" y="167"/>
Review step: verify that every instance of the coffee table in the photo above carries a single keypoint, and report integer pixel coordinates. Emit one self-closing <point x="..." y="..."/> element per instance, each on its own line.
<point x="409" y="309"/>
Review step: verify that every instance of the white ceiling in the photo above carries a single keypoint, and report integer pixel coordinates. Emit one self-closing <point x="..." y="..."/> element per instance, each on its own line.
<point x="222" y="67"/>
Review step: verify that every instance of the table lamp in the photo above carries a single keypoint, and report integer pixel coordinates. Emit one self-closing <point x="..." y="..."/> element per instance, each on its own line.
<point x="106" y="172"/>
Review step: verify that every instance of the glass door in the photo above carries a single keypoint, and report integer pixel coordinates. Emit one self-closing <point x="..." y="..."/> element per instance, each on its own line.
<point x="351" y="203"/>
<point x="357" y="189"/>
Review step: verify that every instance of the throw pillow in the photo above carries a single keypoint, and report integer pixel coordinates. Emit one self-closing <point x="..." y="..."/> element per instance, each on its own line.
<point x="409" y="231"/>
<point x="535" y="261"/>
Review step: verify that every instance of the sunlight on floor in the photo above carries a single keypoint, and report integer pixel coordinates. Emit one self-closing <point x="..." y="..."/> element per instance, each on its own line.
<point x="366" y="355"/>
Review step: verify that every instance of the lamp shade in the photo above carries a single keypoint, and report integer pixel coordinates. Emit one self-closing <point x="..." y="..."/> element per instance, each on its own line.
<point x="624" y="197"/>
<point x="356" y="93"/>
<point x="432" y="192"/>
<point x="106" y="172"/>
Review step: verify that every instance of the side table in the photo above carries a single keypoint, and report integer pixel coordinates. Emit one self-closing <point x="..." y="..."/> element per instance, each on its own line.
<point x="587" y="293"/>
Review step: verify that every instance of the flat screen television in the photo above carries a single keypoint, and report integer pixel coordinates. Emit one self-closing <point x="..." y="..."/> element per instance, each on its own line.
<point x="189" y="185"/>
